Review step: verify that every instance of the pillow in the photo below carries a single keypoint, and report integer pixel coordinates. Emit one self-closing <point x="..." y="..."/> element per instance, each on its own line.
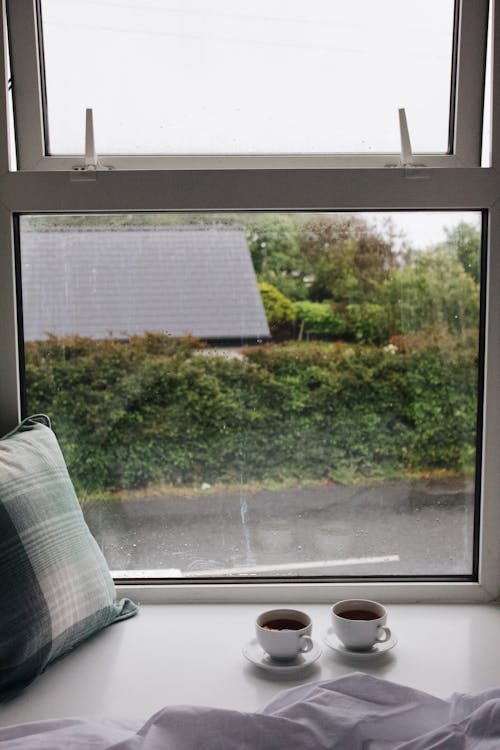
<point x="55" y="586"/>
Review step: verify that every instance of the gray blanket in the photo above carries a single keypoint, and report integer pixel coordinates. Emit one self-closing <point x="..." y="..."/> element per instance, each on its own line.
<point x="356" y="711"/>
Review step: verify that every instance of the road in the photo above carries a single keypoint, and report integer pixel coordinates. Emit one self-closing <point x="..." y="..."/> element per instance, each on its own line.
<point x="423" y="527"/>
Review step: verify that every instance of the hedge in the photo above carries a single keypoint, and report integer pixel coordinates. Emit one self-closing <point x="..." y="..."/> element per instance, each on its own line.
<point x="155" y="410"/>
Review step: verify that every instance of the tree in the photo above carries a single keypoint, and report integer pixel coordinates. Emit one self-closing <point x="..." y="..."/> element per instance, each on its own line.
<point x="350" y="258"/>
<point x="464" y="241"/>
<point x="276" y="254"/>
<point x="433" y="290"/>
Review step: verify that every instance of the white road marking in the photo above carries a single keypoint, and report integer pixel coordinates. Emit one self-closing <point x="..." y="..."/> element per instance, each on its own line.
<point x="256" y="569"/>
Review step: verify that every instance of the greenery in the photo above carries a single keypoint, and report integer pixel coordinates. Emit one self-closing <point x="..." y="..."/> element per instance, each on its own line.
<point x="372" y="370"/>
<point x="278" y="308"/>
<point x="369" y="322"/>
<point x="274" y="241"/>
<point x="433" y="290"/>
<point x="319" y="320"/>
<point x="154" y="410"/>
<point x="464" y="241"/>
<point x="350" y="260"/>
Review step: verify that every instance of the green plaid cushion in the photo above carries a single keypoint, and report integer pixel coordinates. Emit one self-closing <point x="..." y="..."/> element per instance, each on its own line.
<point x="55" y="586"/>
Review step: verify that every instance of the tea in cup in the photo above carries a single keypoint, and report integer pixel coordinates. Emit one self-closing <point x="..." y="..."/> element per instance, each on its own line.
<point x="360" y="623"/>
<point x="284" y="633"/>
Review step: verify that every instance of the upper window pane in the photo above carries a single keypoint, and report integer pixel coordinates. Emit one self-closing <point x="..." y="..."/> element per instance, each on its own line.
<point x="238" y="77"/>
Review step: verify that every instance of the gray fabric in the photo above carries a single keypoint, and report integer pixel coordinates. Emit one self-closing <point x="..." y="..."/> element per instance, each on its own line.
<point x="55" y="586"/>
<point x="356" y="712"/>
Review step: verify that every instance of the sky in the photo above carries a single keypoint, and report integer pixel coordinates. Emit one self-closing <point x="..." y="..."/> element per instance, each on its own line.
<point x="248" y="76"/>
<point x="424" y="228"/>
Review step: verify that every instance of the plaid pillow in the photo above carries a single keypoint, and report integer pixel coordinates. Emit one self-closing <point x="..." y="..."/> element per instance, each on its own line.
<point x="55" y="586"/>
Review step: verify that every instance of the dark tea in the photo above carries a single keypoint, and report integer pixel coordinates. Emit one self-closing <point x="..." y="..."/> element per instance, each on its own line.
<point x="283" y="624"/>
<point x="358" y="614"/>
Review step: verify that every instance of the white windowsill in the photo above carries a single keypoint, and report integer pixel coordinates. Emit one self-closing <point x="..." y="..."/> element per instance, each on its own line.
<point x="191" y="654"/>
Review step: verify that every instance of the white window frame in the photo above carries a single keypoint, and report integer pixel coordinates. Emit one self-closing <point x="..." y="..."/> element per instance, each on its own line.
<point x="45" y="185"/>
<point x="466" y="121"/>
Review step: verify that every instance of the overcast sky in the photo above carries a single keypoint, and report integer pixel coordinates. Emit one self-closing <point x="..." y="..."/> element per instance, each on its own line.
<point x="424" y="228"/>
<point x="248" y="76"/>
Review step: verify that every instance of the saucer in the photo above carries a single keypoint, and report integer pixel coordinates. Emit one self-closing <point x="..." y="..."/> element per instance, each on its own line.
<point x="254" y="653"/>
<point x="332" y="641"/>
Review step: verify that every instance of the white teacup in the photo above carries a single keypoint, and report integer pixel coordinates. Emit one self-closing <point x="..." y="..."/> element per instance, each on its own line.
<point x="284" y="633"/>
<point x="360" y="623"/>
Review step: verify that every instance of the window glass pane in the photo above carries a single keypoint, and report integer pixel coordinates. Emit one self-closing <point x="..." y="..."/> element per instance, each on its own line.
<point x="240" y="77"/>
<point x="262" y="394"/>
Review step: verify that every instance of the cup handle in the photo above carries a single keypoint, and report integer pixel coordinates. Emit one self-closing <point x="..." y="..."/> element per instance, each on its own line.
<point x="383" y="634"/>
<point x="306" y="643"/>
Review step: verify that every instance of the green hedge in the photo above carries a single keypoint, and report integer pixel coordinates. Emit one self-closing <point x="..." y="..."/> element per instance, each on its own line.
<point x="159" y="410"/>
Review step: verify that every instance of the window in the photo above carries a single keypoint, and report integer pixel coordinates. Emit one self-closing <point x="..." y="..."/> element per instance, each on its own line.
<point x="53" y="206"/>
<point x="295" y="425"/>
<point x="295" y="84"/>
<point x="247" y="77"/>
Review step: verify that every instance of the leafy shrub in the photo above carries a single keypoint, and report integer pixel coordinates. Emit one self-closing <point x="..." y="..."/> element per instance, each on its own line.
<point x="368" y="322"/>
<point x="318" y="319"/>
<point x="278" y="308"/>
<point x="152" y="410"/>
<point x="279" y="311"/>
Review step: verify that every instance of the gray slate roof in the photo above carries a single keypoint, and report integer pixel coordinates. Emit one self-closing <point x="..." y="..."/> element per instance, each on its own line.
<point x="99" y="282"/>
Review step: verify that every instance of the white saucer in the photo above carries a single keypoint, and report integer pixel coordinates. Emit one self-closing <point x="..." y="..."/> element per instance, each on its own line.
<point x="332" y="641"/>
<point x="254" y="653"/>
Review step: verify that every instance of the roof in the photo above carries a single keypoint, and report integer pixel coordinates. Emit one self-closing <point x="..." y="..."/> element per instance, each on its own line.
<point x="123" y="281"/>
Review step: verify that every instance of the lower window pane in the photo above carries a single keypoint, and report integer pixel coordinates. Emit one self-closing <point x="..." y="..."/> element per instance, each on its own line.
<point x="262" y="395"/>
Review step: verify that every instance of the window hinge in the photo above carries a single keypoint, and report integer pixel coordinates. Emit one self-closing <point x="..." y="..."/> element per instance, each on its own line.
<point x="87" y="170"/>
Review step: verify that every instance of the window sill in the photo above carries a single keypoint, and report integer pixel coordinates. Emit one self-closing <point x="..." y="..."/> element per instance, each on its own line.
<point x="169" y="655"/>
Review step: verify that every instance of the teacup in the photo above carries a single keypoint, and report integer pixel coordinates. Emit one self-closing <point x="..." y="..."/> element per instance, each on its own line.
<point x="360" y="623"/>
<point x="284" y="633"/>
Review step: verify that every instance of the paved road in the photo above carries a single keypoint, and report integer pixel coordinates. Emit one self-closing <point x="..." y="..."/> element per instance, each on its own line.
<point x="402" y="528"/>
